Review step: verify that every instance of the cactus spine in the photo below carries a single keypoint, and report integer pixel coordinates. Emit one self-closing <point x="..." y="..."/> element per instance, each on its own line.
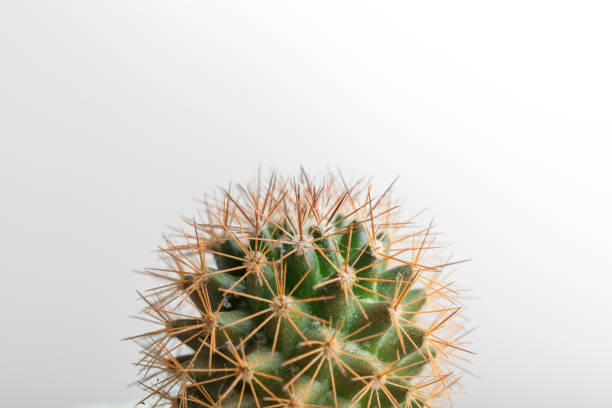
<point x="296" y="294"/>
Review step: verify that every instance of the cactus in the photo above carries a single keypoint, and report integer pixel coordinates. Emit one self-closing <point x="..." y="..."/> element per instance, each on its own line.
<point x="290" y="293"/>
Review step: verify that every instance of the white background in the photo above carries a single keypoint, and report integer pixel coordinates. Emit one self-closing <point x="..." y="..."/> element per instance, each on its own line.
<point x="115" y="115"/>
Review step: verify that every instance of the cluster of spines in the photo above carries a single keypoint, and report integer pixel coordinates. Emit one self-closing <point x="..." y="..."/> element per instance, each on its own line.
<point x="318" y="297"/>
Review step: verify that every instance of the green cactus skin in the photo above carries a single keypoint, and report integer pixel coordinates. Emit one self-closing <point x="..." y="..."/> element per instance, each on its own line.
<point x="296" y="295"/>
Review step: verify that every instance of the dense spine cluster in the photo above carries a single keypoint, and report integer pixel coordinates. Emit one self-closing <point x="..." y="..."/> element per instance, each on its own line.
<point x="291" y="293"/>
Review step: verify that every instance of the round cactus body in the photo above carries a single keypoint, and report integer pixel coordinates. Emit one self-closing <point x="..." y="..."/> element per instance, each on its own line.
<point x="290" y="293"/>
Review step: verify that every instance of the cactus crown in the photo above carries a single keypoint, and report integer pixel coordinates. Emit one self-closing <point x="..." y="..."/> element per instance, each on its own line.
<point x="297" y="294"/>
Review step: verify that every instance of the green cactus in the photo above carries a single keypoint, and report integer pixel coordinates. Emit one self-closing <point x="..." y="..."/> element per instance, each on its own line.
<point x="293" y="294"/>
